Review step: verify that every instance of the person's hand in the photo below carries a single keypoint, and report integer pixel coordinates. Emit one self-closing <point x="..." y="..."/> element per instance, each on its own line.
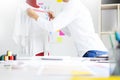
<point x="51" y="15"/>
<point x="31" y="13"/>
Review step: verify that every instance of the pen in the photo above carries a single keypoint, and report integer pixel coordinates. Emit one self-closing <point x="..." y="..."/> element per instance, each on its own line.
<point x="51" y="59"/>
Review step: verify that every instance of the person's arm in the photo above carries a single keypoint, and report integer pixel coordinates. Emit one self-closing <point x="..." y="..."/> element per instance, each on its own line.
<point x="62" y="20"/>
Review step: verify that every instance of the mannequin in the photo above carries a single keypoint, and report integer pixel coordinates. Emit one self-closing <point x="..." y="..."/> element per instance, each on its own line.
<point x="31" y="38"/>
<point x="33" y="3"/>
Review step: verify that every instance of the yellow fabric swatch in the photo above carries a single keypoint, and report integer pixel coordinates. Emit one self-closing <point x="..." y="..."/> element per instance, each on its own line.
<point x="95" y="78"/>
<point x="81" y="73"/>
<point x="59" y="39"/>
<point x="59" y="1"/>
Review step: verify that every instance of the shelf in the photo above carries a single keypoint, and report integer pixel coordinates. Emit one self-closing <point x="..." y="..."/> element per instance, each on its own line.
<point x="109" y="6"/>
<point x="109" y="22"/>
<point x="106" y="33"/>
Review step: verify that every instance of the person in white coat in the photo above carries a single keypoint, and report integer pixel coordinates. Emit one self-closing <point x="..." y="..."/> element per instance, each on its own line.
<point x="77" y="19"/>
<point x="27" y="35"/>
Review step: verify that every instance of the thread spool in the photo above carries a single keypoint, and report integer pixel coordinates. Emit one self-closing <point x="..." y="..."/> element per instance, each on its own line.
<point x="15" y="57"/>
<point x="2" y="57"/>
<point x="9" y="53"/>
<point x="6" y="58"/>
<point x="11" y="57"/>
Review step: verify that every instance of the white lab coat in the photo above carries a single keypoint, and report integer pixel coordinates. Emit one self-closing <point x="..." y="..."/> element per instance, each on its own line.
<point x="77" y="19"/>
<point x="31" y="38"/>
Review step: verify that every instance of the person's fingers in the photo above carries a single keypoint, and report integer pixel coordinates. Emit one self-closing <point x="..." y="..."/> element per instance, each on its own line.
<point x="51" y="15"/>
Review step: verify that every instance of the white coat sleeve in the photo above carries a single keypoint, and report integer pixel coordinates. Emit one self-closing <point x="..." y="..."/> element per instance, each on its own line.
<point x="62" y="20"/>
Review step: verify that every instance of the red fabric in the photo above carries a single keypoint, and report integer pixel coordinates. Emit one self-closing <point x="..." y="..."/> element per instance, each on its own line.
<point x="32" y="3"/>
<point x="40" y="54"/>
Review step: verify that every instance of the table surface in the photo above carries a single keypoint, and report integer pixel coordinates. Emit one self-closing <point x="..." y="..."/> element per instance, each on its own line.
<point x="55" y="68"/>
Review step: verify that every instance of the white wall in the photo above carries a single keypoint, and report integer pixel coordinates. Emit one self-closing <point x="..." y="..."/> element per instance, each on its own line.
<point x="7" y="19"/>
<point x="94" y="7"/>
